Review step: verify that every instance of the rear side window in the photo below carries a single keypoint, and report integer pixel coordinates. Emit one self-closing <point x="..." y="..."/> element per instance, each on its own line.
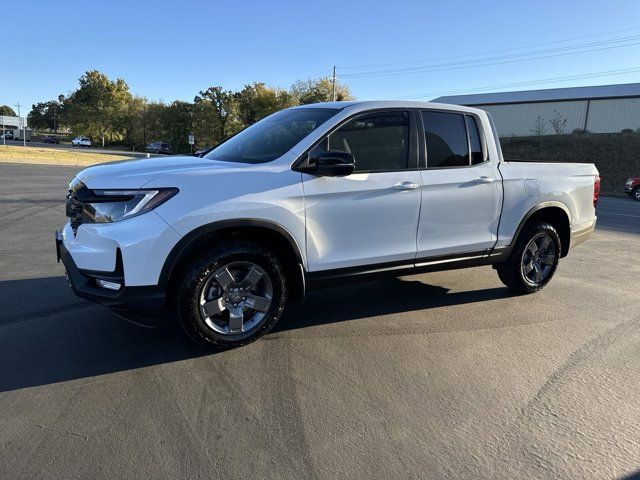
<point x="474" y="140"/>
<point x="378" y="141"/>
<point x="446" y="138"/>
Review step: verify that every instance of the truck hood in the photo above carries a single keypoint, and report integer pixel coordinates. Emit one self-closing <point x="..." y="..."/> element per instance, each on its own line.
<point x="135" y="173"/>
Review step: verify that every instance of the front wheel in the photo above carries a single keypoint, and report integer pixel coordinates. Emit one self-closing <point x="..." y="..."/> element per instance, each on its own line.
<point x="533" y="260"/>
<point x="231" y="294"/>
<point x="635" y="194"/>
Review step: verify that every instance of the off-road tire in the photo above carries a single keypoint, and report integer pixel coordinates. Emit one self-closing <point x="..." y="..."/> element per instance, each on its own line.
<point x="188" y="288"/>
<point x="511" y="272"/>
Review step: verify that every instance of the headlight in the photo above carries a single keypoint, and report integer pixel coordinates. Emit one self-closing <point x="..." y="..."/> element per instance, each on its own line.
<point x="104" y="206"/>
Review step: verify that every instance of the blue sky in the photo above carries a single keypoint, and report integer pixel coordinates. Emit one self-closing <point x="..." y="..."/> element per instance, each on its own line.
<point x="171" y="50"/>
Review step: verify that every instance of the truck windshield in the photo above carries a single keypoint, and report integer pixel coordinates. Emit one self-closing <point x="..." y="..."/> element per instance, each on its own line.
<point x="272" y="136"/>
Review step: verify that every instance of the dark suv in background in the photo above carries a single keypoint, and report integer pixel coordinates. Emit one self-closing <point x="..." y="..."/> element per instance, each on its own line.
<point x="160" y="147"/>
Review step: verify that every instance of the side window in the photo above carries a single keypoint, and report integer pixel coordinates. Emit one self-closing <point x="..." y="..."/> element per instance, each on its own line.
<point x="446" y="138"/>
<point x="378" y="141"/>
<point x="474" y="140"/>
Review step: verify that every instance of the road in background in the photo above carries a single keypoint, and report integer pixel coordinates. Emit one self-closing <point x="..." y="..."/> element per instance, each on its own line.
<point x="68" y="146"/>
<point x="442" y="375"/>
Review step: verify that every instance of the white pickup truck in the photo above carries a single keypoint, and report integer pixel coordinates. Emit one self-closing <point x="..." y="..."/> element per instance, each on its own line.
<point x="313" y="196"/>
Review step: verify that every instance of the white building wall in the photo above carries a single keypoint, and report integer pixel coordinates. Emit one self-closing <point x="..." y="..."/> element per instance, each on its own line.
<point x="614" y="115"/>
<point x="518" y="120"/>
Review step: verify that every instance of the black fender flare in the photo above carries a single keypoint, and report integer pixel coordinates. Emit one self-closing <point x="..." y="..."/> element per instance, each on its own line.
<point x="187" y="241"/>
<point x="504" y="252"/>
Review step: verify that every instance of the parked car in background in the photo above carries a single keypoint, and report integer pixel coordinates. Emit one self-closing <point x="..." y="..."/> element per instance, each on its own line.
<point x="160" y="147"/>
<point x="632" y="188"/>
<point x="314" y="196"/>
<point x="7" y="136"/>
<point x="81" y="142"/>
<point x="50" y="139"/>
<point x="203" y="151"/>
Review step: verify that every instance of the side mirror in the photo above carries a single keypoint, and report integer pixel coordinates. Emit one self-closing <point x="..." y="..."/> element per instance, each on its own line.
<point x="333" y="163"/>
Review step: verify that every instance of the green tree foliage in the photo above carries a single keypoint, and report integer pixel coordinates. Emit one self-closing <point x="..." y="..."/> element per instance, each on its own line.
<point x="221" y="107"/>
<point x="7" y="111"/>
<point x="178" y="124"/>
<point x="319" y="90"/>
<point x="98" y="109"/>
<point x="257" y="101"/>
<point x="105" y="110"/>
<point x="46" y="115"/>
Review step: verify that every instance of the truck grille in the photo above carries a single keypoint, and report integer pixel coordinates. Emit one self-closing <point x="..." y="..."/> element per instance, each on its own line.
<point x="74" y="210"/>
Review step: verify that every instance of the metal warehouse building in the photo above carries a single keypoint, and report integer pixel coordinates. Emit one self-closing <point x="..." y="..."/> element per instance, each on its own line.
<point x="599" y="109"/>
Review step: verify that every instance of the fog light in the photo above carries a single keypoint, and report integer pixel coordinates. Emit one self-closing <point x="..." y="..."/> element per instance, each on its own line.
<point x="107" y="284"/>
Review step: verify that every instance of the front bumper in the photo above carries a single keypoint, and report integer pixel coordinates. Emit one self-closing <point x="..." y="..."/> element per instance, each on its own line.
<point x="143" y="305"/>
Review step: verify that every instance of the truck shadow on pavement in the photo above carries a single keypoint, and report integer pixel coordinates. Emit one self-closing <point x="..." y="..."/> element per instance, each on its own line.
<point x="47" y="335"/>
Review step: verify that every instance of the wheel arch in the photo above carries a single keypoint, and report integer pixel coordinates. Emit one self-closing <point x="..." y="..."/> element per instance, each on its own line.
<point x="555" y="213"/>
<point x="273" y="236"/>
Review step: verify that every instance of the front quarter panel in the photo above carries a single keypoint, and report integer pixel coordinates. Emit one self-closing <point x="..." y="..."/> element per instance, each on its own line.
<point x="268" y="192"/>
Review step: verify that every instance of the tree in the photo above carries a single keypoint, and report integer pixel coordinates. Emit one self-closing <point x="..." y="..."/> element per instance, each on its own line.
<point x="46" y="115"/>
<point x="558" y="123"/>
<point x="177" y="120"/>
<point x="539" y="127"/>
<point x="99" y="107"/>
<point x="7" y="111"/>
<point x="257" y="101"/>
<point x="135" y="123"/>
<point x="319" y="90"/>
<point x="218" y="109"/>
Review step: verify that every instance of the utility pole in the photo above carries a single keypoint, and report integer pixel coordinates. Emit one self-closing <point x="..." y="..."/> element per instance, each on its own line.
<point x="334" y="83"/>
<point x="21" y="122"/>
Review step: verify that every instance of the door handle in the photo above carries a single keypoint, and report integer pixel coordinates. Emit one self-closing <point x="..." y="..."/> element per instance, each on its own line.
<point x="402" y="186"/>
<point x="484" y="180"/>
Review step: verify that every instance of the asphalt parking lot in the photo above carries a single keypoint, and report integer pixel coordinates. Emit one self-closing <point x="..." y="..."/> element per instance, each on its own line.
<point x="442" y="375"/>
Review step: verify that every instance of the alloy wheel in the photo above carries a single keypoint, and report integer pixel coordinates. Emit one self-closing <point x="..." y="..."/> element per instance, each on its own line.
<point x="538" y="259"/>
<point x="236" y="298"/>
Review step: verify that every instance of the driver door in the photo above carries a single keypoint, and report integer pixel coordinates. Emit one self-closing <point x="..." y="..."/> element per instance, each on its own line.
<point x="371" y="216"/>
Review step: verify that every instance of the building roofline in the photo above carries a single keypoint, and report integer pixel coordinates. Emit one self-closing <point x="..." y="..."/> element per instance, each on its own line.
<point x="563" y="94"/>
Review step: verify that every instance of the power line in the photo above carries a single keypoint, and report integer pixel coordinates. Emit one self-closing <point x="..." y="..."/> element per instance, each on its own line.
<point x="437" y="68"/>
<point x="489" y="52"/>
<point x="502" y="57"/>
<point x="519" y="84"/>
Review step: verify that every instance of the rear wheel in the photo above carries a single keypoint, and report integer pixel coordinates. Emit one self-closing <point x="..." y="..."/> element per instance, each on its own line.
<point x="534" y="259"/>
<point x="231" y="295"/>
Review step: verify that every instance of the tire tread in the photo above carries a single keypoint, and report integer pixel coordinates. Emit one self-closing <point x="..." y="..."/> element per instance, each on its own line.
<point x="510" y="272"/>
<point x="200" y="267"/>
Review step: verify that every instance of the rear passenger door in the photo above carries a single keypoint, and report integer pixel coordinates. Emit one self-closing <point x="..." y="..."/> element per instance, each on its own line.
<point x="371" y="216"/>
<point x="461" y="191"/>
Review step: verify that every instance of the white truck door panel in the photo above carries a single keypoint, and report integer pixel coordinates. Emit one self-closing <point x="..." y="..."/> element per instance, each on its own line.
<point x="461" y="189"/>
<point x="361" y="219"/>
<point x="370" y="216"/>
<point x="460" y="210"/>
